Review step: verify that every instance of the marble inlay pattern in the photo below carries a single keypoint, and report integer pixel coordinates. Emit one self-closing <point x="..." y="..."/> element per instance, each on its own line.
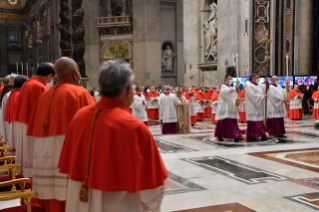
<point x="169" y="147"/>
<point x="310" y="200"/>
<point x="232" y="207"/>
<point x="309" y="182"/>
<point x="176" y="185"/>
<point x="235" y="170"/>
<point x="302" y="158"/>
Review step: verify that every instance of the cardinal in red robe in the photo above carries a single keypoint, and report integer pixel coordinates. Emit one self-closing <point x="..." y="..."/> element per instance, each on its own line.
<point x="315" y="97"/>
<point x="110" y="170"/>
<point x="242" y="107"/>
<point x="214" y="102"/>
<point x="28" y="97"/>
<point x="191" y="98"/>
<point x="48" y="124"/>
<point x="11" y="110"/>
<point x="152" y="107"/>
<point x="296" y="96"/>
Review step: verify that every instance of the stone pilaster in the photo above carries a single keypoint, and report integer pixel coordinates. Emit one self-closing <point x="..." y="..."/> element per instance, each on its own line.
<point x="305" y="37"/>
<point x="3" y="50"/>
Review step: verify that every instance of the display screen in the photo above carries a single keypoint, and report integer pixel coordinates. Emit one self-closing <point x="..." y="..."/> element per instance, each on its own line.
<point x="283" y="80"/>
<point x="263" y="79"/>
<point x="242" y="81"/>
<point x="306" y="80"/>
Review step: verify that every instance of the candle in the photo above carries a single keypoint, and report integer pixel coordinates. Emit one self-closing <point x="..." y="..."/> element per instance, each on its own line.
<point x="22" y="68"/>
<point x="37" y="65"/>
<point x="237" y="65"/>
<point x="17" y="67"/>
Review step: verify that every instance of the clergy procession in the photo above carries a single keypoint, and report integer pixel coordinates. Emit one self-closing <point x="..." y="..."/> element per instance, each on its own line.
<point x="77" y="154"/>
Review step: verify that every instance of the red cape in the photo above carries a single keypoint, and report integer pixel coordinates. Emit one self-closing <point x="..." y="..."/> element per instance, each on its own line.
<point x="242" y="94"/>
<point x="124" y="154"/>
<point x="215" y="96"/>
<point x="67" y="100"/>
<point x="315" y="95"/>
<point x="152" y="94"/>
<point x="11" y="106"/>
<point x="28" y="97"/>
<point x="188" y="96"/>
<point x="293" y="93"/>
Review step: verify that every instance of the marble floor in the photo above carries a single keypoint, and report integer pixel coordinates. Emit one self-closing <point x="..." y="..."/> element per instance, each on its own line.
<point x="271" y="176"/>
<point x="278" y="175"/>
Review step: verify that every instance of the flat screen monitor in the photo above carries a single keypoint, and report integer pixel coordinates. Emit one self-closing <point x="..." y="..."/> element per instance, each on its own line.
<point x="263" y="80"/>
<point x="242" y="81"/>
<point x="306" y="80"/>
<point x="283" y="80"/>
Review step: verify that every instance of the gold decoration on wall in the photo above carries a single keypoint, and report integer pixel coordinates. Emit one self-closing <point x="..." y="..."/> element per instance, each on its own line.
<point x="11" y="3"/>
<point x="117" y="51"/>
<point x="38" y="33"/>
<point x="30" y="41"/>
<point x="13" y="16"/>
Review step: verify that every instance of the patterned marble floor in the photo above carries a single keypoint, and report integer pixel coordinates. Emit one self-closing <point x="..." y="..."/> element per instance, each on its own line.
<point x="207" y="175"/>
<point x="275" y="175"/>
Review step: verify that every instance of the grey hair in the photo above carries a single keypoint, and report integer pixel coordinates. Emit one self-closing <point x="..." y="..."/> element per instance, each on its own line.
<point x="115" y="78"/>
<point x="11" y="78"/>
<point x="167" y="87"/>
<point x="6" y="79"/>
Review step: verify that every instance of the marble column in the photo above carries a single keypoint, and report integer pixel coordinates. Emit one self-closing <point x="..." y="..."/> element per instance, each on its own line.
<point x="109" y="10"/>
<point x="3" y="50"/>
<point x="305" y="37"/>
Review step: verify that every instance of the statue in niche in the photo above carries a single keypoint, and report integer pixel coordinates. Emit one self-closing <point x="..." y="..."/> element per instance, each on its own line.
<point x="167" y="59"/>
<point x="210" y="30"/>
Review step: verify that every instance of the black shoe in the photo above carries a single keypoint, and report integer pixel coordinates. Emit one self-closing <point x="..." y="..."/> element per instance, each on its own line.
<point x="264" y="138"/>
<point x="238" y="139"/>
<point x="282" y="136"/>
<point x="220" y="139"/>
<point x="251" y="138"/>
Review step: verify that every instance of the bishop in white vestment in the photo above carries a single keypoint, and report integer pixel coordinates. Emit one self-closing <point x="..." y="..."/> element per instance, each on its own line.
<point x="276" y="109"/>
<point x="255" y="108"/>
<point x="139" y="106"/>
<point x="227" y="115"/>
<point x="168" y="116"/>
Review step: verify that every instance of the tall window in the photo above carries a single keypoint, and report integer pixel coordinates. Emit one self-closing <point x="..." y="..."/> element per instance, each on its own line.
<point x="14" y="35"/>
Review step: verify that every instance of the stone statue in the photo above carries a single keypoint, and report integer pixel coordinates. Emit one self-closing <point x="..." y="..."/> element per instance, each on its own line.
<point x="210" y="30"/>
<point x="167" y="59"/>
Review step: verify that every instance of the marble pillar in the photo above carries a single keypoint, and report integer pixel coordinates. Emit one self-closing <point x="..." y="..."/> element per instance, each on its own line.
<point x="109" y="10"/>
<point x="305" y="37"/>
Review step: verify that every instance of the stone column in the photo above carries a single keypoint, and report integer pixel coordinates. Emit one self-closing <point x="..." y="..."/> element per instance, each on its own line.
<point x="25" y="49"/>
<point x="305" y="37"/>
<point x="124" y="12"/>
<point x="3" y="50"/>
<point x="109" y="10"/>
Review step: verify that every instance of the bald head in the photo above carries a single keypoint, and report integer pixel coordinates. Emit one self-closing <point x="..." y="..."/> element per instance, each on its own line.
<point x="67" y="69"/>
<point x="274" y="79"/>
<point x="11" y="79"/>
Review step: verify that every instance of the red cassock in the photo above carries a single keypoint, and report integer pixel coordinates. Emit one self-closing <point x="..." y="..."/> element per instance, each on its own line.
<point x="31" y="91"/>
<point x="214" y="97"/>
<point x="11" y="106"/>
<point x="123" y="157"/>
<point x="315" y="97"/>
<point x="193" y="118"/>
<point x="295" y="112"/>
<point x="2" y="87"/>
<point x="66" y="101"/>
<point x="204" y="95"/>
<point x="152" y="113"/>
<point x="241" y="112"/>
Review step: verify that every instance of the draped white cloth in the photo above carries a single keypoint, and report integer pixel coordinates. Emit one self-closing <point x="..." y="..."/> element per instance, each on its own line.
<point x="168" y="104"/>
<point x="199" y="106"/>
<point x="12" y="139"/>
<point x="139" y="110"/>
<point x="226" y="107"/>
<point x="316" y="104"/>
<point x="295" y="103"/>
<point x="213" y="107"/>
<point x="255" y="102"/>
<point x="152" y="103"/>
<point x="242" y="107"/>
<point x="121" y="201"/>
<point x="275" y="103"/>
<point x="192" y="105"/>
<point x="5" y="126"/>
<point x="47" y="181"/>
<point x="25" y="148"/>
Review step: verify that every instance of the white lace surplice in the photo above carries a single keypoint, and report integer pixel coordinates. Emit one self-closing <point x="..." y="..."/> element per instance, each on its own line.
<point x="139" y="110"/>
<point x="226" y="107"/>
<point x="275" y="106"/>
<point x="255" y="102"/>
<point x="168" y="106"/>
